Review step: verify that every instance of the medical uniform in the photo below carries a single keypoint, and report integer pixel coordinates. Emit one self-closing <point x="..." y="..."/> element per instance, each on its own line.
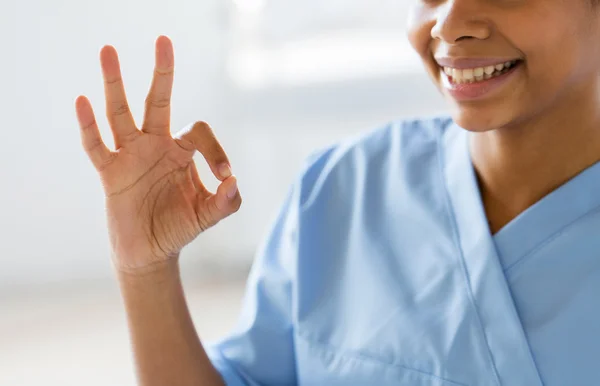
<point x="381" y="270"/>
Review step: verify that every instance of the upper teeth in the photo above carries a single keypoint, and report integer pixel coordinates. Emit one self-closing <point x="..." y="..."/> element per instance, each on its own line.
<point x="478" y="73"/>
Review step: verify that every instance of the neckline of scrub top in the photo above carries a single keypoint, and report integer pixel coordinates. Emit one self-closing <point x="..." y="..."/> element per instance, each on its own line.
<point x="500" y="326"/>
<point x="545" y="220"/>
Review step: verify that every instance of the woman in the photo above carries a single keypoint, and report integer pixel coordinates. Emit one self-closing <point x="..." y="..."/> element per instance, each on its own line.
<point x="447" y="251"/>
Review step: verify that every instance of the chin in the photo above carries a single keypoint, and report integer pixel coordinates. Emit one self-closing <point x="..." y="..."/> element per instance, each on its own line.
<point x="497" y="111"/>
<point x="480" y="119"/>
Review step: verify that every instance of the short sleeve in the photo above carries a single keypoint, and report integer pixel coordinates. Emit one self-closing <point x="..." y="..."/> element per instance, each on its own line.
<point x="260" y="351"/>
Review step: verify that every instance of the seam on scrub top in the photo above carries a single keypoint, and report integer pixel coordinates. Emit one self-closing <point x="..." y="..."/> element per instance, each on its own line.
<point x="359" y="356"/>
<point x="456" y="236"/>
<point x="542" y="244"/>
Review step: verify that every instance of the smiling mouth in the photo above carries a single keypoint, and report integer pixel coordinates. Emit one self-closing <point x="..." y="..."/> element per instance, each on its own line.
<point x="478" y="74"/>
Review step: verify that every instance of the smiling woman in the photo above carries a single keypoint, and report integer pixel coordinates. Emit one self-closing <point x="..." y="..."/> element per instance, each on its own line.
<point x="458" y="250"/>
<point x="554" y="43"/>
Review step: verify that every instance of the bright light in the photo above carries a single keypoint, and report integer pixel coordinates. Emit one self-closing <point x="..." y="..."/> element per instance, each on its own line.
<point x="250" y="6"/>
<point x="336" y="57"/>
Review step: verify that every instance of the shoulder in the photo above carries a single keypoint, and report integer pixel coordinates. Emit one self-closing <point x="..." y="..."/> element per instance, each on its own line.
<point x="398" y="147"/>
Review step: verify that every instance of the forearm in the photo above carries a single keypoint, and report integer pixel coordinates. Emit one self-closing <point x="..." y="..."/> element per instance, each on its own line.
<point x="166" y="346"/>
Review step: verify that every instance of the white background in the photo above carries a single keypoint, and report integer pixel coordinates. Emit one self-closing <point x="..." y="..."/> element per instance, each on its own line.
<point x="276" y="80"/>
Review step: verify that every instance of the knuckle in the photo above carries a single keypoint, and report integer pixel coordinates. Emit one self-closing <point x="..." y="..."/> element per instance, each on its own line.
<point x="184" y="142"/>
<point x="201" y="126"/>
<point x="92" y="144"/>
<point x="89" y="127"/>
<point x="156" y="126"/>
<point x="119" y="109"/>
<point x="117" y="81"/>
<point x="159" y="101"/>
<point x="169" y="71"/>
<point x="131" y="135"/>
<point x="103" y="164"/>
<point x="161" y="127"/>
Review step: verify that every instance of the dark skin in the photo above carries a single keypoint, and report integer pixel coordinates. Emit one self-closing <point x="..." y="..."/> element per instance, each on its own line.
<point x="527" y="138"/>
<point x="155" y="201"/>
<point x="541" y="128"/>
<point x="156" y="204"/>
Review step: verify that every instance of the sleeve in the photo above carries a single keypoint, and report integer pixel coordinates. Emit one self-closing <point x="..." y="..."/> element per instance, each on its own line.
<point x="260" y="351"/>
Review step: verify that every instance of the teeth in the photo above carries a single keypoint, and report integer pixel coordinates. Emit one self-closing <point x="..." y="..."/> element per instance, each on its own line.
<point x="477" y="74"/>
<point x="457" y="75"/>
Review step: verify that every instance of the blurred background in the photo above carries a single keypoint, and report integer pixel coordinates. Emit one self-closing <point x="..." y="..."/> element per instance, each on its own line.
<point x="276" y="80"/>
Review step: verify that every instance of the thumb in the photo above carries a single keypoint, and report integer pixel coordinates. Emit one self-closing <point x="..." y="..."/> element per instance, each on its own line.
<point x="224" y="202"/>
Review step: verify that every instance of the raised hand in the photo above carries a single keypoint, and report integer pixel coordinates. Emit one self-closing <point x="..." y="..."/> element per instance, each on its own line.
<point x="155" y="201"/>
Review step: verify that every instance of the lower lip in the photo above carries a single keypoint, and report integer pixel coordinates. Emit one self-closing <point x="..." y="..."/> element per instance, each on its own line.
<point x="478" y="90"/>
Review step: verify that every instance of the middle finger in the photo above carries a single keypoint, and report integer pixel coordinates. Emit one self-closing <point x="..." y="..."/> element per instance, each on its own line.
<point x="157" y="115"/>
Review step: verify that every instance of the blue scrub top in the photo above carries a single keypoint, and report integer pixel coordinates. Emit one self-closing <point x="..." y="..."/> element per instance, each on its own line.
<point x="381" y="270"/>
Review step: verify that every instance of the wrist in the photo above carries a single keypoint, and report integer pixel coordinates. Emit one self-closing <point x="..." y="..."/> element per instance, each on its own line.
<point x="155" y="272"/>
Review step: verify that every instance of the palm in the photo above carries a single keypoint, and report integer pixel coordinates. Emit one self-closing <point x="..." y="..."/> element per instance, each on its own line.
<point x="155" y="201"/>
<point x="145" y="158"/>
<point x="150" y="196"/>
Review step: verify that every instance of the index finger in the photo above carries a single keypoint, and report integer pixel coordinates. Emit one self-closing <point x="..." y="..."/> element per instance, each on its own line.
<point x="200" y="136"/>
<point x="117" y="109"/>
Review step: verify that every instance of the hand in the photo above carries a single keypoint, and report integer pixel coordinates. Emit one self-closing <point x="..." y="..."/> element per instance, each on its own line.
<point x="155" y="201"/>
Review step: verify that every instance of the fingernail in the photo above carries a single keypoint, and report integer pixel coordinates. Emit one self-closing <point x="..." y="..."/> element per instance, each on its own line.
<point x="231" y="192"/>
<point x="224" y="171"/>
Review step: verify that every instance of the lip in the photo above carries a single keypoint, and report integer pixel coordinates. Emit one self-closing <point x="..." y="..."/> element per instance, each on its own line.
<point x="473" y="91"/>
<point x="462" y="63"/>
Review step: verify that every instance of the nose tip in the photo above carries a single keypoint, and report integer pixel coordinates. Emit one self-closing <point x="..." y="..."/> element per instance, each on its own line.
<point x="457" y="22"/>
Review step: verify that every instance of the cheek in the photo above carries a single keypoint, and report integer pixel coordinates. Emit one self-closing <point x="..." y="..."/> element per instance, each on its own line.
<point x="420" y="23"/>
<point x="553" y="55"/>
